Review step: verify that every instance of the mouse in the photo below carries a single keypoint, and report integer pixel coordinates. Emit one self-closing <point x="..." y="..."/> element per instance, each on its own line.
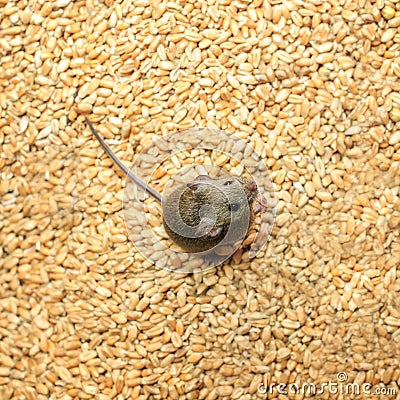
<point x="198" y="215"/>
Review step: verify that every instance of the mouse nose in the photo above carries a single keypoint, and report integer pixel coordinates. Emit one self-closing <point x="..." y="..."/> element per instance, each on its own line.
<point x="252" y="186"/>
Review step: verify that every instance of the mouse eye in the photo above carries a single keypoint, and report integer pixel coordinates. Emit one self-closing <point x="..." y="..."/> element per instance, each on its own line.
<point x="234" y="207"/>
<point x="228" y="183"/>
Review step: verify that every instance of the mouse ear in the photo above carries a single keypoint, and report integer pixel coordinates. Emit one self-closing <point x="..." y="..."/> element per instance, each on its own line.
<point x="207" y="227"/>
<point x="197" y="181"/>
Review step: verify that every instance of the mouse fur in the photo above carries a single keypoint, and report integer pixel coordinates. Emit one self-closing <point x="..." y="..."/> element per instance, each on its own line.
<point x="231" y="199"/>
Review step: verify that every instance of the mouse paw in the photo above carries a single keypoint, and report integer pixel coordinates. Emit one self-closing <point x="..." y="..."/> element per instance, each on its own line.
<point x="207" y="227"/>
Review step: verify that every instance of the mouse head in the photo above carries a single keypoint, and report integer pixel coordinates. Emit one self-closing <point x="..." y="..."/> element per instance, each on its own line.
<point x="207" y="188"/>
<point x="229" y="199"/>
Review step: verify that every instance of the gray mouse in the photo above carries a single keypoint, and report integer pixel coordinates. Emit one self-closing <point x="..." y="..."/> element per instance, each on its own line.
<point x="198" y="215"/>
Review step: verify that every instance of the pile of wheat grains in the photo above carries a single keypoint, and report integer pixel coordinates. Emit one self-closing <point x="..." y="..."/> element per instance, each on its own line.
<point x="313" y="85"/>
